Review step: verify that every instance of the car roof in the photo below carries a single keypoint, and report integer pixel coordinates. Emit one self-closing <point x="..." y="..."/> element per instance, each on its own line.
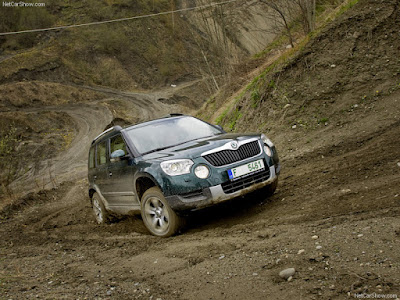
<point x="155" y="121"/>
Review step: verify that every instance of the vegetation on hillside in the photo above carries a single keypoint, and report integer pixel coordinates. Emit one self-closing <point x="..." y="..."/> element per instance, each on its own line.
<point x="138" y="54"/>
<point x="267" y="87"/>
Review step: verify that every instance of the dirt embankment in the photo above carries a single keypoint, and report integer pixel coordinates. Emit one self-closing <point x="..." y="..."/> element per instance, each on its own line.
<point x="334" y="217"/>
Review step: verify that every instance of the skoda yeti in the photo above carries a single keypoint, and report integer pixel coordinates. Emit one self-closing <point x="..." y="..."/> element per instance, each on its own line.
<point x="175" y="164"/>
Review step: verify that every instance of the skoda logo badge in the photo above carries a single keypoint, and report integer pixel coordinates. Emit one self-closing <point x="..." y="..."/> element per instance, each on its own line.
<point x="234" y="145"/>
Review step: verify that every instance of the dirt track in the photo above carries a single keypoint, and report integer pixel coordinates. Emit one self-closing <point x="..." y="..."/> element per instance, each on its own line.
<point x="345" y="194"/>
<point x="334" y="218"/>
<point x="89" y="119"/>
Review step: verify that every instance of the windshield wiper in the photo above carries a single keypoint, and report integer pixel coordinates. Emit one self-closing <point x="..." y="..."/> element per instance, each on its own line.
<point x="157" y="149"/>
<point x="163" y="148"/>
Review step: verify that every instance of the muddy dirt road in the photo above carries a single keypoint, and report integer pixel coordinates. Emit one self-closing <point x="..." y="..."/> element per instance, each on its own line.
<point x="90" y="119"/>
<point x="334" y="219"/>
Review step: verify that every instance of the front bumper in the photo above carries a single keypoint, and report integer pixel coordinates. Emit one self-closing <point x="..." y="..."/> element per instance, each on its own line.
<point x="215" y="194"/>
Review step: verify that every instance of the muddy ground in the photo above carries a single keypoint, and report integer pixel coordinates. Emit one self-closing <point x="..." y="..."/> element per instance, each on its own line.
<point x="344" y="199"/>
<point x="334" y="217"/>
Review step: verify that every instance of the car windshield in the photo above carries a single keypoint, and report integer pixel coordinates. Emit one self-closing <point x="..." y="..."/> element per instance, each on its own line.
<point x="169" y="132"/>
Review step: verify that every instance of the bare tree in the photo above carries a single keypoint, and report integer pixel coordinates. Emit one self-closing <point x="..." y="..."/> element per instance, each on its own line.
<point x="307" y="14"/>
<point x="284" y="12"/>
<point x="281" y="16"/>
<point x="213" y="47"/>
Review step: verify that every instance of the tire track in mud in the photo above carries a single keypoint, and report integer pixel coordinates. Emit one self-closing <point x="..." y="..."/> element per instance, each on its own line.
<point x="90" y="120"/>
<point x="146" y="103"/>
<point x="70" y="164"/>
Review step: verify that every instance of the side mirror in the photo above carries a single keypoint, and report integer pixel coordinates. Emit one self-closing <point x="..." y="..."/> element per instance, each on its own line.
<point x="219" y="127"/>
<point x="117" y="155"/>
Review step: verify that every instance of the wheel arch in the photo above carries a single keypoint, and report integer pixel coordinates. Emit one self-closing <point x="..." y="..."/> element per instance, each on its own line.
<point x="143" y="183"/>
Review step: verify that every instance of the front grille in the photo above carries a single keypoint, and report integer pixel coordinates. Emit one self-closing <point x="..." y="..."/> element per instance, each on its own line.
<point x="226" y="157"/>
<point x="242" y="183"/>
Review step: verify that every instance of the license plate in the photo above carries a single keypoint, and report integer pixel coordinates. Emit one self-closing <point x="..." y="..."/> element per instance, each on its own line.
<point x="246" y="169"/>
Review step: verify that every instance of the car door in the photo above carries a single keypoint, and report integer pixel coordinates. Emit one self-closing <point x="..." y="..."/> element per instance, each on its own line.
<point x="120" y="174"/>
<point x="100" y="176"/>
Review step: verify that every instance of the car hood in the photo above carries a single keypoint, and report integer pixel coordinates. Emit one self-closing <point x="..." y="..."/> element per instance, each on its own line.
<point x="194" y="149"/>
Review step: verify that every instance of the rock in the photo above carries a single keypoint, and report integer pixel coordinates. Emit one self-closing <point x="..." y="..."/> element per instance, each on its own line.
<point x="360" y="235"/>
<point x="318" y="247"/>
<point x="290" y="278"/>
<point x="294" y="126"/>
<point x="333" y="66"/>
<point x="289" y="47"/>
<point x="301" y="251"/>
<point x="314" y="237"/>
<point x="285" y="274"/>
<point x="286" y="106"/>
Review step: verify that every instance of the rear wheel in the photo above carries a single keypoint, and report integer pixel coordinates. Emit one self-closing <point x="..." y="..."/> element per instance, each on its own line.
<point x="157" y="215"/>
<point x="101" y="214"/>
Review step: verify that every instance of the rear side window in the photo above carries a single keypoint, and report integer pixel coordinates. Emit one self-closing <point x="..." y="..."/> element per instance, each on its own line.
<point x="117" y="143"/>
<point x="101" y="153"/>
<point x="91" y="158"/>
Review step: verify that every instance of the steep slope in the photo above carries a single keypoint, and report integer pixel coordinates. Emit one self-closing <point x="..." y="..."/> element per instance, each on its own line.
<point x="45" y="76"/>
<point x="331" y="86"/>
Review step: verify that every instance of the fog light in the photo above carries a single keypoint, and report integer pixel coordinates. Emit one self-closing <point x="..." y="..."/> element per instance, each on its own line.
<point x="267" y="150"/>
<point x="202" y="171"/>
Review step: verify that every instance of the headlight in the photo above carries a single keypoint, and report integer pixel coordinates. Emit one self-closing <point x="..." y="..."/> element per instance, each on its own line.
<point x="267" y="141"/>
<point x="202" y="171"/>
<point x="267" y="150"/>
<point x="176" y="167"/>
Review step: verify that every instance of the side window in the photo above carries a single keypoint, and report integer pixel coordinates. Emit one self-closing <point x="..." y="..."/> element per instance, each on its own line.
<point x="91" y="158"/>
<point x="117" y="143"/>
<point x="101" y="153"/>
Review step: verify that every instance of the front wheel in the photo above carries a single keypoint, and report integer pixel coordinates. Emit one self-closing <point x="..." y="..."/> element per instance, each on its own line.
<point x="157" y="215"/>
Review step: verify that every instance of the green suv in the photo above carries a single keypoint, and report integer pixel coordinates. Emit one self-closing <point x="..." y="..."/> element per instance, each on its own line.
<point x="175" y="164"/>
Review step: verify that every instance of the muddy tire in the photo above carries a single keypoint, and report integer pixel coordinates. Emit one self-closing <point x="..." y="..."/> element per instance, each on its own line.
<point x="157" y="215"/>
<point x="100" y="213"/>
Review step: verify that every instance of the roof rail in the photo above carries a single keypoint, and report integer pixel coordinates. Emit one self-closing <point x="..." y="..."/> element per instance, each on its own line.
<point x="173" y="115"/>
<point x="116" y="128"/>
